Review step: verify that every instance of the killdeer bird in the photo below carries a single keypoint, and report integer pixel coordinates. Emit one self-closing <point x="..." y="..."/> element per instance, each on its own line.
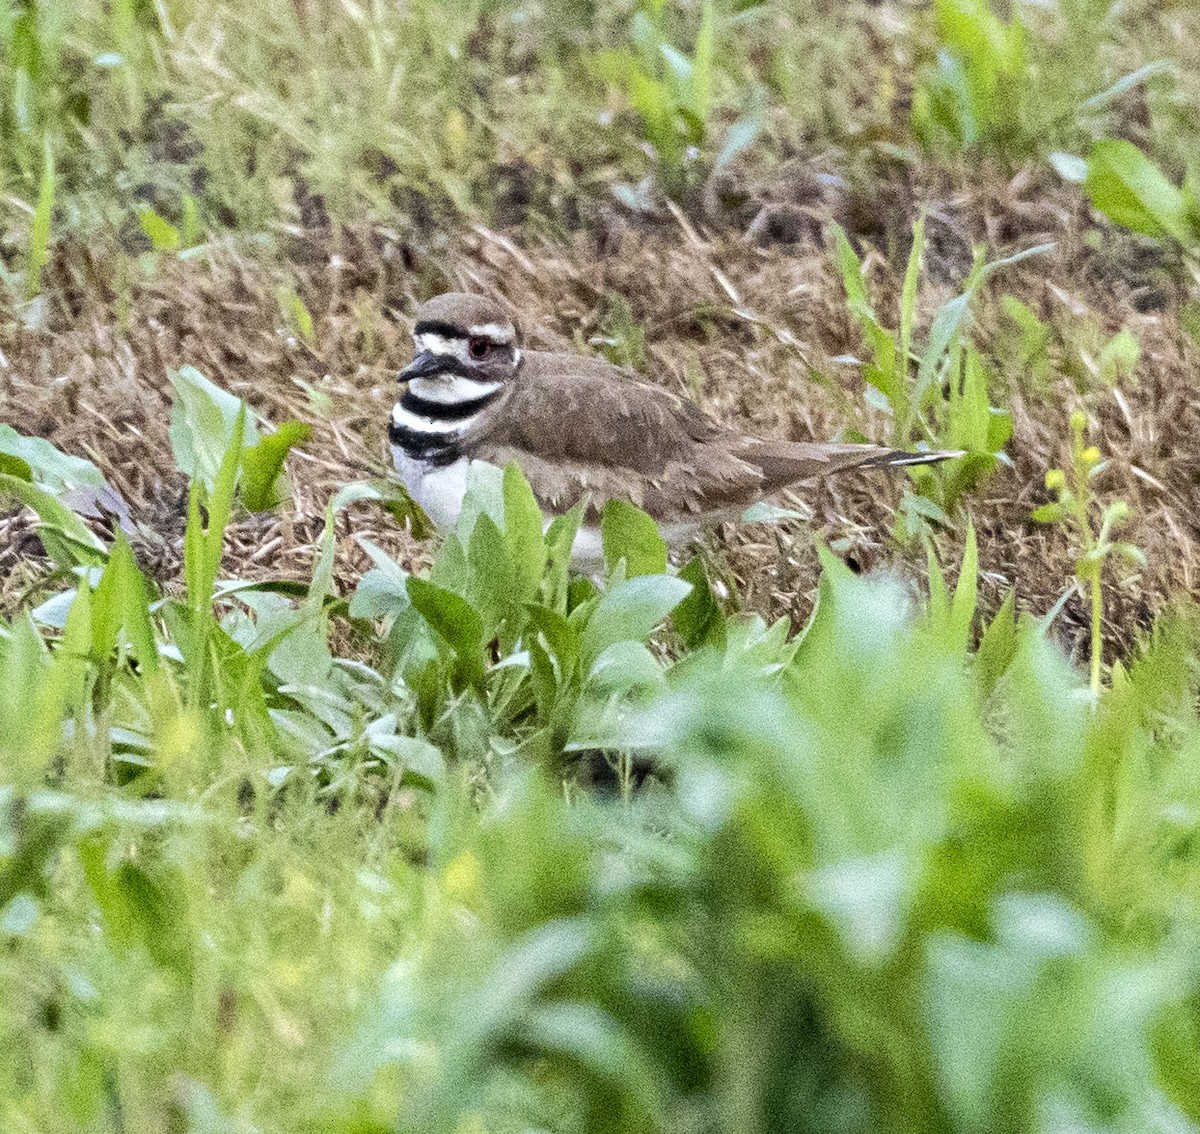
<point x="581" y="427"/>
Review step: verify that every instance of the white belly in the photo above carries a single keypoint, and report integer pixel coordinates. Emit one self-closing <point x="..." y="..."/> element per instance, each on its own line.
<point x="439" y="490"/>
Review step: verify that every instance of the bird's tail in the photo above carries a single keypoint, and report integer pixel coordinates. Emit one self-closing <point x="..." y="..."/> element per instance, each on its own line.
<point x="790" y="462"/>
<point x="903" y="458"/>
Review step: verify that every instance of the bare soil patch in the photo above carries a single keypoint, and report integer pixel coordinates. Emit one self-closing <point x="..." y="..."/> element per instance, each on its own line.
<point x="749" y="324"/>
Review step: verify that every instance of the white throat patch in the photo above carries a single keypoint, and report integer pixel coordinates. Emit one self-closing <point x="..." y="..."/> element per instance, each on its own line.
<point x="452" y="389"/>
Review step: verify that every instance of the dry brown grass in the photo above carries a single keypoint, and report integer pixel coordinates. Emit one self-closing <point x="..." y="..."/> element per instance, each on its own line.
<point x="747" y="326"/>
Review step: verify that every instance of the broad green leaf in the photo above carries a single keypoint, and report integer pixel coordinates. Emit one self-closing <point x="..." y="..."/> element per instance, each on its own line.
<point x="15" y="467"/>
<point x="561" y="638"/>
<point x="383" y="590"/>
<point x="25" y="862"/>
<point x="202" y="424"/>
<point x="163" y="235"/>
<point x="37" y="459"/>
<point x="697" y="618"/>
<point x="624" y="666"/>
<point x="32" y="703"/>
<point x="523" y="533"/>
<point x="455" y="620"/>
<point x="628" y="533"/>
<point x="296" y="315"/>
<point x="67" y="539"/>
<point x="262" y="465"/>
<point x="1128" y="188"/>
<point x="631" y="611"/>
<point x="560" y="539"/>
<point x="1047" y="513"/>
<point x="135" y="604"/>
<point x="492" y="583"/>
<point x="1119" y="357"/>
<point x="484" y="496"/>
<point x="997" y="646"/>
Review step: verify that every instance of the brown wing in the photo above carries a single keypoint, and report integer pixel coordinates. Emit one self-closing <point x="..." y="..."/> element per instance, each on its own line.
<point x="580" y="426"/>
<point x="587" y="409"/>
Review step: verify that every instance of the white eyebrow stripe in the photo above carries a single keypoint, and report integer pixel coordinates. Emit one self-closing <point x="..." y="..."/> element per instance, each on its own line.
<point x="406" y="419"/>
<point x="495" y="331"/>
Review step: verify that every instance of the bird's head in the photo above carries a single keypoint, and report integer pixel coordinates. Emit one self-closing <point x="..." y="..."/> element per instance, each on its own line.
<point x="468" y="347"/>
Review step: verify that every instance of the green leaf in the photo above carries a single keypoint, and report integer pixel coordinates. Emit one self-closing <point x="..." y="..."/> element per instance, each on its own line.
<point x="631" y="610"/>
<point x="624" y="666"/>
<point x="1119" y="357"/>
<point x="262" y="465"/>
<point x="492" y="583"/>
<point x="455" y="621"/>
<point x="1047" y="513"/>
<point x="523" y="533"/>
<point x="39" y="233"/>
<point x="700" y="86"/>
<point x="67" y="539"/>
<point x="15" y="467"/>
<point x="202" y="424"/>
<point x="561" y="638"/>
<point x="33" y="698"/>
<point x="850" y="267"/>
<point x="765" y="512"/>
<point x="35" y="458"/>
<point x="697" y="618"/>
<point x="190" y="232"/>
<point x="998" y="645"/>
<point x="908" y="292"/>
<point x="296" y="315"/>
<point x="163" y="235"/>
<point x="1129" y="189"/>
<point x="484" y="496"/>
<point x="560" y="539"/>
<point x="962" y="607"/>
<point x="628" y="533"/>
<point x="383" y="590"/>
<point x="944" y="333"/>
<point x="743" y="133"/>
<point x="134" y="604"/>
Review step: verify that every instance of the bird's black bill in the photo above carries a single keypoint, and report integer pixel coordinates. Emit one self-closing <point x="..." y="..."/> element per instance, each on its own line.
<point x="425" y="365"/>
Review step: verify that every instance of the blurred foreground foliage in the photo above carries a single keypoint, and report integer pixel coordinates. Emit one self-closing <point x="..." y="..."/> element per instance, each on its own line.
<point x="897" y="872"/>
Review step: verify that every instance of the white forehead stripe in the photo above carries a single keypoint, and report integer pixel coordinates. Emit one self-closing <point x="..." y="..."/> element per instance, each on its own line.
<point x="437" y="344"/>
<point x="452" y="389"/>
<point x="497" y="332"/>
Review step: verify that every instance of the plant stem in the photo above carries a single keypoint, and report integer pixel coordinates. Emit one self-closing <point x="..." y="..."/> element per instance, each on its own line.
<point x="1097" y="645"/>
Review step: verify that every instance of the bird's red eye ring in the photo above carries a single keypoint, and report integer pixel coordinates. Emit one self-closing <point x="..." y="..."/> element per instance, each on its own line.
<point x="478" y="346"/>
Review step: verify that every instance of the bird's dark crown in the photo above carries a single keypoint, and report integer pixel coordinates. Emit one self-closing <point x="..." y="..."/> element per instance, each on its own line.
<point x="459" y="314"/>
